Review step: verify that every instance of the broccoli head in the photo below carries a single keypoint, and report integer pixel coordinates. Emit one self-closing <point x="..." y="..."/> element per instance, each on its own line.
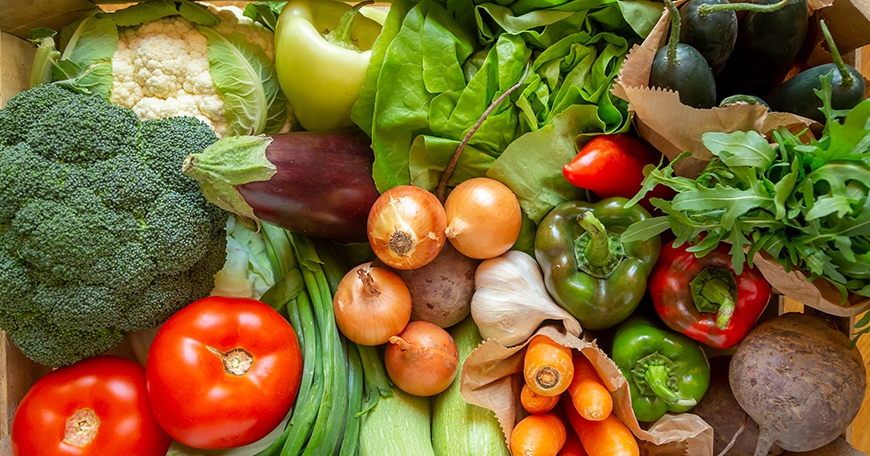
<point x="100" y="232"/>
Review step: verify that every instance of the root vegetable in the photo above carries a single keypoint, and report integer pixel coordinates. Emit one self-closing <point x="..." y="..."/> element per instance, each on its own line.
<point x="721" y="411"/>
<point x="441" y="290"/>
<point x="800" y="380"/>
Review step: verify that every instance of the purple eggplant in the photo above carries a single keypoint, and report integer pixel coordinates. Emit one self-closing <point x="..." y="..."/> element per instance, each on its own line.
<point x="315" y="183"/>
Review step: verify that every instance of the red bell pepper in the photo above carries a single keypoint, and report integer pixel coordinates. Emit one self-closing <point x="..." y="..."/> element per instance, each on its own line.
<point x="612" y="165"/>
<point x="703" y="298"/>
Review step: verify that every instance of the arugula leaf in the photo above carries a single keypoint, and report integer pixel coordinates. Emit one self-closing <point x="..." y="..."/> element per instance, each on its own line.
<point x="806" y="203"/>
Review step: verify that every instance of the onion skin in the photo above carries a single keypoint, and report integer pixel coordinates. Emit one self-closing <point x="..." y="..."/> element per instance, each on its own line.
<point x="423" y="360"/>
<point x="483" y="218"/>
<point x="371" y="305"/>
<point x="323" y="186"/>
<point x="406" y="227"/>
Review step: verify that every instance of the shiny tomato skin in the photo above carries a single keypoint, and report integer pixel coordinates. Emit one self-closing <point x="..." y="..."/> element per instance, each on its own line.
<point x="112" y="388"/>
<point x="195" y="399"/>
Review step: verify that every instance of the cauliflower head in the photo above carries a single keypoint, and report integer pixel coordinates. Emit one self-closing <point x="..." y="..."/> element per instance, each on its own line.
<point x="161" y="68"/>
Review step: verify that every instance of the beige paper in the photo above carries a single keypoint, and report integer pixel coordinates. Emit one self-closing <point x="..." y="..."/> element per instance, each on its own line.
<point x="672" y="127"/>
<point x="818" y="294"/>
<point x="492" y="378"/>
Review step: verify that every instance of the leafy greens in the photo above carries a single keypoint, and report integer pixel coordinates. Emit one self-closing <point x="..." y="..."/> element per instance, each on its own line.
<point x="438" y="65"/>
<point x="806" y="203"/>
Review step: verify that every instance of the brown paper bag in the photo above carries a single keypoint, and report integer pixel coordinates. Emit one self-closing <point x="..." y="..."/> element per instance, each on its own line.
<point x="673" y="127"/>
<point x="492" y="378"/>
<point x="818" y="294"/>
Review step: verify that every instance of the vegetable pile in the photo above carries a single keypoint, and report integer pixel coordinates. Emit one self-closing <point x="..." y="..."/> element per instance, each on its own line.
<point x="427" y="229"/>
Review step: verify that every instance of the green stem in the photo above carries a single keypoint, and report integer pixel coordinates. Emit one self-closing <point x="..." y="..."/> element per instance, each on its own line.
<point x="355" y="382"/>
<point x="707" y="9"/>
<point x="674" y="39"/>
<point x="657" y="379"/>
<point x="845" y="74"/>
<point x="341" y="34"/>
<point x="714" y="290"/>
<point x="598" y="249"/>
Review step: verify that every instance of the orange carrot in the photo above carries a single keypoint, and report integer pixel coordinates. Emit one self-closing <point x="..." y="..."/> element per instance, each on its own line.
<point x="547" y="366"/>
<point x="572" y="446"/>
<point x="535" y="403"/>
<point x="543" y="434"/>
<point x="609" y="437"/>
<point x="591" y="398"/>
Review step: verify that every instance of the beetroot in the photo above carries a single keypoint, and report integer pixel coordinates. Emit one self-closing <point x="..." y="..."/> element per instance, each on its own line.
<point x="800" y="380"/>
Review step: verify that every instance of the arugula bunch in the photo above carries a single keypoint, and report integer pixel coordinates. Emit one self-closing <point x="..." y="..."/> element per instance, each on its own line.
<point x="805" y="202"/>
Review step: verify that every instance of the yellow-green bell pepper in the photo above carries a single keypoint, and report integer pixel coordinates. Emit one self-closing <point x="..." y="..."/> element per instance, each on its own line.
<point x="322" y="51"/>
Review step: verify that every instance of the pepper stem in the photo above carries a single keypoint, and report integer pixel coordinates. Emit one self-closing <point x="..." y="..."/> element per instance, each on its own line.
<point x="714" y="290"/>
<point x="341" y="34"/>
<point x="657" y="378"/>
<point x="674" y="39"/>
<point x="707" y="9"/>
<point x="597" y="252"/>
<point x="845" y="75"/>
<point x="598" y="249"/>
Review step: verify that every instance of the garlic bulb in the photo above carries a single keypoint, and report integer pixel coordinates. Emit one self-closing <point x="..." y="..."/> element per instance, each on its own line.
<point x="510" y="300"/>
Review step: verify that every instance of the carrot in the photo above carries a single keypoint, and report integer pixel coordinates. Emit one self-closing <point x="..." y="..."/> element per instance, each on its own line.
<point x="547" y="366"/>
<point x="588" y="393"/>
<point x="572" y="446"/>
<point x="608" y="437"/>
<point x="543" y="434"/>
<point x="535" y="403"/>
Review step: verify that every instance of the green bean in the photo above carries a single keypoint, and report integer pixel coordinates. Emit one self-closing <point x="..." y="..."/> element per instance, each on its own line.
<point x="350" y="438"/>
<point x="308" y="399"/>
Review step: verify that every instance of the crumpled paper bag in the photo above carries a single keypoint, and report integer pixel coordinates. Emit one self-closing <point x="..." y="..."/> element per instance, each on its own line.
<point x="492" y="378"/>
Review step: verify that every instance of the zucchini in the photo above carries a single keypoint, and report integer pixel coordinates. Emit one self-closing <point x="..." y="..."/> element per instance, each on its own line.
<point x="399" y="425"/>
<point x="460" y="428"/>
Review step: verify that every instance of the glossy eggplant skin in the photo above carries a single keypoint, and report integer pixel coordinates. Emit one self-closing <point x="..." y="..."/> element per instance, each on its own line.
<point x="767" y="43"/>
<point x="689" y="75"/>
<point x="713" y="35"/>
<point x="797" y="95"/>
<point x="323" y="186"/>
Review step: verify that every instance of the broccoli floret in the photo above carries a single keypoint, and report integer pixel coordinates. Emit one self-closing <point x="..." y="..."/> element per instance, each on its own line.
<point x="100" y="232"/>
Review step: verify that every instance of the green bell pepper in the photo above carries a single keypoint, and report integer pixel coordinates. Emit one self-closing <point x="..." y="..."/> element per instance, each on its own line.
<point x="666" y="371"/>
<point x="322" y="51"/>
<point x="587" y="269"/>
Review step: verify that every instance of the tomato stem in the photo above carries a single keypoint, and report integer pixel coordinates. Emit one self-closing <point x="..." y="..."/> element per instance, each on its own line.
<point x="237" y="361"/>
<point x="81" y="427"/>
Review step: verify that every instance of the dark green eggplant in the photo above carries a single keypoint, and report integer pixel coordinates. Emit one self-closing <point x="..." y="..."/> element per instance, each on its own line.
<point x="797" y="95"/>
<point x="712" y="34"/>
<point x="682" y="68"/>
<point x="767" y="44"/>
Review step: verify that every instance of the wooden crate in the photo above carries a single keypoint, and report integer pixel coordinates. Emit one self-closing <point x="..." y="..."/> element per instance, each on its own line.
<point x="17" y="373"/>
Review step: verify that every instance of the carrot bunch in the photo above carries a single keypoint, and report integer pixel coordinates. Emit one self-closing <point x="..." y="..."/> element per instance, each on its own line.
<point x="584" y="425"/>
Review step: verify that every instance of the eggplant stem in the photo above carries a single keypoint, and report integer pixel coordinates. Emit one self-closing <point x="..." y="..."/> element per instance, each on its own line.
<point x="845" y="76"/>
<point x="674" y="39"/>
<point x="707" y="9"/>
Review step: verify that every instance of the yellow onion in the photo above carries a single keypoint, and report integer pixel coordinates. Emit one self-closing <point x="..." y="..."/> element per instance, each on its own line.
<point x="422" y="360"/>
<point x="483" y="218"/>
<point x="371" y="305"/>
<point x="406" y="227"/>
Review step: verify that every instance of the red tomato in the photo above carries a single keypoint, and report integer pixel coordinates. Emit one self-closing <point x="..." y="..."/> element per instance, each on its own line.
<point x="106" y="394"/>
<point x="223" y="372"/>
